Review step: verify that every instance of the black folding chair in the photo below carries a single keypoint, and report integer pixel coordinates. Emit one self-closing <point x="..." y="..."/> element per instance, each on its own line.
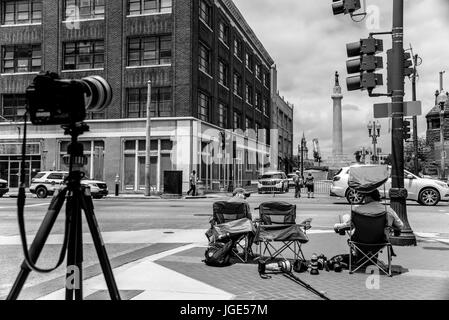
<point x="277" y="223"/>
<point x="368" y="237"/>
<point x="234" y="218"/>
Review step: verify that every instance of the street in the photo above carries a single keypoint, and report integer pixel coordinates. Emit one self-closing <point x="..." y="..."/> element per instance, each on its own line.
<point x="131" y="224"/>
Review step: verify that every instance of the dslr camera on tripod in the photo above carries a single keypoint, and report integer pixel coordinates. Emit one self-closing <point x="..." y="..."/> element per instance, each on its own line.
<point x="56" y="101"/>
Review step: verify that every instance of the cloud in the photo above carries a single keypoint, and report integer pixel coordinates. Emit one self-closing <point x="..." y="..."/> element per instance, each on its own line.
<point x="308" y="45"/>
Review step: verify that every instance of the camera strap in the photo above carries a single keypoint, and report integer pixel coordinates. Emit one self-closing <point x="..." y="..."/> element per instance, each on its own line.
<point x="21" y="209"/>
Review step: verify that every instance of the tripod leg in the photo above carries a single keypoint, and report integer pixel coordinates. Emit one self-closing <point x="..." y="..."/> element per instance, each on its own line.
<point x="88" y="208"/>
<point x="74" y="282"/>
<point x="38" y="243"/>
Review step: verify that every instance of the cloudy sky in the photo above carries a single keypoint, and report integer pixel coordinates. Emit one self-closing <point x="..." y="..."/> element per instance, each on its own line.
<point x="308" y="44"/>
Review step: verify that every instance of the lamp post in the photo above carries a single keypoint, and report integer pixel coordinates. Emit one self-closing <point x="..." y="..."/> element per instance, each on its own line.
<point x="374" y="133"/>
<point x="441" y="101"/>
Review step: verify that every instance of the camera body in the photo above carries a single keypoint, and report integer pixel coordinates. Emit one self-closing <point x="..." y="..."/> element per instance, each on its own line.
<point x="55" y="101"/>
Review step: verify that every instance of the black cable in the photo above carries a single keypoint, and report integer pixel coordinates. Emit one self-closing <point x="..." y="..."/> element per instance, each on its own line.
<point x="21" y="208"/>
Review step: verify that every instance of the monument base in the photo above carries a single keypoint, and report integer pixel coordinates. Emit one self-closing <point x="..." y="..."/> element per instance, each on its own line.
<point x="339" y="161"/>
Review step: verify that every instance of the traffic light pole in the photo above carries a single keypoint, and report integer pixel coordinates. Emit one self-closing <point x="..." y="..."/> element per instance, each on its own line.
<point x="415" y="118"/>
<point x="398" y="194"/>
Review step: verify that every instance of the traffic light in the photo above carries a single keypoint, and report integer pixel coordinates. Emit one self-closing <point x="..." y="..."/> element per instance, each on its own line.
<point x="345" y="6"/>
<point x="408" y="63"/>
<point x="364" y="65"/>
<point x="406" y="130"/>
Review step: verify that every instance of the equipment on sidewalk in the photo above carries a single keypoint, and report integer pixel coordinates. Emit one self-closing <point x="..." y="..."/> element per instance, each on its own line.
<point x="77" y="198"/>
<point x="314" y="265"/>
<point x="284" y="267"/>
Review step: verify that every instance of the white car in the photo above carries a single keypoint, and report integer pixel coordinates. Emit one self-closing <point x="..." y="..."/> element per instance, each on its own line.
<point x="45" y="183"/>
<point x="3" y="187"/>
<point x="425" y="191"/>
<point x="275" y="181"/>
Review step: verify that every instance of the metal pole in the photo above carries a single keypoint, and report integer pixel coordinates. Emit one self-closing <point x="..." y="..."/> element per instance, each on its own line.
<point x="148" y="144"/>
<point x="398" y="194"/>
<point x="443" y="156"/>
<point x="415" y="118"/>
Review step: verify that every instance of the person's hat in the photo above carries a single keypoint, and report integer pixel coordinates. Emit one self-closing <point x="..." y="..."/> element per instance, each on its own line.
<point x="241" y="191"/>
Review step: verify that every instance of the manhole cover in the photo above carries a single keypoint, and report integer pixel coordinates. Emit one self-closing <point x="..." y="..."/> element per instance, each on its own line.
<point x="168" y="232"/>
<point x="202" y="215"/>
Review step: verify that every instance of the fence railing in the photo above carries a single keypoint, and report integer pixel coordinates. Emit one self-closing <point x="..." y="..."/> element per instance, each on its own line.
<point x="322" y="186"/>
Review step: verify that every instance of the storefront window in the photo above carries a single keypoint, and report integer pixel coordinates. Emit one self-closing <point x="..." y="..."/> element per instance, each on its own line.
<point x="92" y="150"/>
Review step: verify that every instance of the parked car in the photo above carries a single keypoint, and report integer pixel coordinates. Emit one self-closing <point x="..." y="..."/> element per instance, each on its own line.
<point x="45" y="184"/>
<point x="3" y="187"/>
<point x="275" y="181"/>
<point x="425" y="191"/>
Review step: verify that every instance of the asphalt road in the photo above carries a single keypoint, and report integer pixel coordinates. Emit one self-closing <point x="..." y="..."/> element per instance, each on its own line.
<point x="119" y="214"/>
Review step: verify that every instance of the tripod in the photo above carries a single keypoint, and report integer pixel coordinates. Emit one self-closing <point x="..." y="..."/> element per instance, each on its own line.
<point x="78" y="198"/>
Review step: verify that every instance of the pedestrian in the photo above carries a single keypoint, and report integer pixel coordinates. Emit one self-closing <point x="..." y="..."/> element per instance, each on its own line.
<point x="298" y="181"/>
<point x="310" y="185"/>
<point x="192" y="180"/>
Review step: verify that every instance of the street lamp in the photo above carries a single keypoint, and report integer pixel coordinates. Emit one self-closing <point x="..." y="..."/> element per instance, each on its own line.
<point x="374" y="133"/>
<point x="441" y="101"/>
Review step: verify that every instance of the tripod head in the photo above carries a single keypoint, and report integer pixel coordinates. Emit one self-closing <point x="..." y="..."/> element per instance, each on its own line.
<point x="75" y="158"/>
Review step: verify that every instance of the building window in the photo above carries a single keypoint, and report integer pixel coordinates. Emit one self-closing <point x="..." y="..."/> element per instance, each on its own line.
<point x="204" y="59"/>
<point x="21" y="12"/>
<point x="258" y="100"/>
<point x="222" y="116"/>
<point x="21" y="58"/>
<point x="258" y="71"/>
<point x="83" y="9"/>
<point x="148" y="51"/>
<point x="84" y="55"/>
<point x="266" y="80"/>
<point x="223" y="73"/>
<point x="248" y="123"/>
<point x="237" y="120"/>
<point x="249" y="93"/>
<point x="265" y="106"/>
<point x="203" y="106"/>
<point x="161" y="102"/>
<point x="238" y="48"/>
<point x="237" y="84"/>
<point x="13" y="106"/>
<point x="139" y="7"/>
<point x="249" y="61"/>
<point x="224" y="32"/>
<point x="205" y="13"/>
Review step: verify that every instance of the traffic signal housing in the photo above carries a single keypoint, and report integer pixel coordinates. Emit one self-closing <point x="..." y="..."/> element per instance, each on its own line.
<point x="406" y="130"/>
<point x="364" y="65"/>
<point x="345" y="6"/>
<point x="408" y="64"/>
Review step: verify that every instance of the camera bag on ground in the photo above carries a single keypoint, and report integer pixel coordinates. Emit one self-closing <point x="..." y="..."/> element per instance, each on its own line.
<point x="218" y="253"/>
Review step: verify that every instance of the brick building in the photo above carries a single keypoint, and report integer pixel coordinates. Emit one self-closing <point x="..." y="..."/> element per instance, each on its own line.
<point x="208" y="70"/>
<point x="433" y="138"/>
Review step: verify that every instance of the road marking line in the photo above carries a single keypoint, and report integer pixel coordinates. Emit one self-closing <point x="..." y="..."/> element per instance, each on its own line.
<point x="28" y="205"/>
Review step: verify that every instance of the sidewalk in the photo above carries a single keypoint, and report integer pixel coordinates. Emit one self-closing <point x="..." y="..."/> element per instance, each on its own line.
<point x="169" y="266"/>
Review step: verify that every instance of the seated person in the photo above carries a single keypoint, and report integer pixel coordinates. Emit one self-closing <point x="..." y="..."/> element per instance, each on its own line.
<point x="371" y="207"/>
<point x="240" y="195"/>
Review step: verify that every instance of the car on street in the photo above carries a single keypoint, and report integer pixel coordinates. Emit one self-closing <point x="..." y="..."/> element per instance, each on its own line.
<point x="427" y="192"/>
<point x="3" y="187"/>
<point x="274" y="181"/>
<point x="45" y="184"/>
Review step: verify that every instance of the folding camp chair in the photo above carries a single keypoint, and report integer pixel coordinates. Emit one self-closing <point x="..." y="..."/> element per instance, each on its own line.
<point x="277" y="223"/>
<point x="234" y="219"/>
<point x="368" y="237"/>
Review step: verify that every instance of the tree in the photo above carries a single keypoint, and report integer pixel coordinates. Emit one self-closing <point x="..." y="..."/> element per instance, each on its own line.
<point x="409" y="154"/>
